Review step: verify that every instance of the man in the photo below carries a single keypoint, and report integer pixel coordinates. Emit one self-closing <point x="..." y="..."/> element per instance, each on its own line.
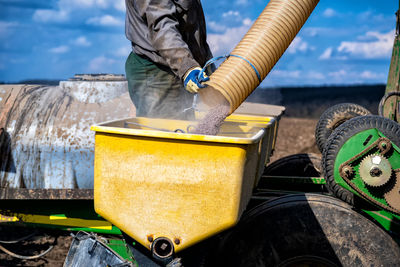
<point x="169" y="47"/>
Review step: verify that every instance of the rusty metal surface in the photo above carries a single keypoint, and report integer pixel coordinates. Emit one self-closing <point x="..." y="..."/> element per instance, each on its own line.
<point x="391" y="105"/>
<point x="44" y="194"/>
<point x="45" y="140"/>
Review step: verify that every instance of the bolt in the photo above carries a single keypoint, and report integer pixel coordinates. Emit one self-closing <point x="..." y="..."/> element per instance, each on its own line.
<point x="376" y="160"/>
<point x="347" y="170"/>
<point x="177" y="241"/>
<point x="164" y="246"/>
<point x="375" y="172"/>
<point x="150" y="238"/>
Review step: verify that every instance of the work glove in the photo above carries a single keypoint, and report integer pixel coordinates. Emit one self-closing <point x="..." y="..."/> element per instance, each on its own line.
<point x="193" y="79"/>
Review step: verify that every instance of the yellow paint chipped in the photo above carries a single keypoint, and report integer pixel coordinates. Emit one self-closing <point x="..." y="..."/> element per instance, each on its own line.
<point x="62" y="220"/>
<point x="58" y="217"/>
<point x="4" y="218"/>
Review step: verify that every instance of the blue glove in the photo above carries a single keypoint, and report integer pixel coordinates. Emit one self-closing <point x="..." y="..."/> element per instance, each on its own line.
<point x="193" y="79"/>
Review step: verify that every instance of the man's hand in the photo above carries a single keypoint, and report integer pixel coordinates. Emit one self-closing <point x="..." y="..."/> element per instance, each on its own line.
<point x="193" y="79"/>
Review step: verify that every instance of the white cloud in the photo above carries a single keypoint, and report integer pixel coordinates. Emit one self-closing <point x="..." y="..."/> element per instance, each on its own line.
<point x="106" y="20"/>
<point x="293" y="74"/>
<point x="380" y="47"/>
<point x="296" y="75"/>
<point x="346" y="76"/>
<point x="242" y="2"/>
<point x="375" y="18"/>
<point x="342" y="76"/>
<point x="338" y="74"/>
<point x="219" y="27"/>
<point x="15" y="60"/>
<point x="79" y="4"/>
<point x="224" y="43"/>
<point x="247" y="22"/>
<point x="49" y="15"/>
<point x="216" y="27"/>
<point x="311" y="31"/>
<point x="231" y="13"/>
<point x="123" y="51"/>
<point x="82" y="41"/>
<point x="371" y="75"/>
<point x="59" y="49"/>
<point x="120" y="5"/>
<point x="65" y="8"/>
<point x="298" y="45"/>
<point x="329" y="13"/>
<point x="6" y="27"/>
<point x="101" y="64"/>
<point x="315" y="75"/>
<point x="327" y="54"/>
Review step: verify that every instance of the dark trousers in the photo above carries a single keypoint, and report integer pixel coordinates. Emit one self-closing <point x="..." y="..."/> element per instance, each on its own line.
<point x="155" y="91"/>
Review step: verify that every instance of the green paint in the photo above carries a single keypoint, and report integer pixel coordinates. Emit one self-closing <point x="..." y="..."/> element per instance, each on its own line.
<point x="113" y="231"/>
<point x="66" y="209"/>
<point x="387" y="220"/>
<point x="295" y="180"/>
<point x="354" y="146"/>
<point x="318" y="180"/>
<point x="120" y="247"/>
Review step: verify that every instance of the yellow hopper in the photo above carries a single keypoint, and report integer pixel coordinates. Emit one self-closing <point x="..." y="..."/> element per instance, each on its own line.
<point x="155" y="180"/>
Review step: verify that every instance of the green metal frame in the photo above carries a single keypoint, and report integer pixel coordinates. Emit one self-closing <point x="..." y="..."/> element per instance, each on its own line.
<point x="120" y="247"/>
<point x="352" y="147"/>
<point x="65" y="215"/>
<point x="70" y="215"/>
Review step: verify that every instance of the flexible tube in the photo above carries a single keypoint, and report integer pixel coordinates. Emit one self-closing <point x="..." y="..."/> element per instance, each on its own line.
<point x="263" y="45"/>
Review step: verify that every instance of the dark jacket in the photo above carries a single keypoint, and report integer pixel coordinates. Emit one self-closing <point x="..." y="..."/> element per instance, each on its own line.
<point x="168" y="32"/>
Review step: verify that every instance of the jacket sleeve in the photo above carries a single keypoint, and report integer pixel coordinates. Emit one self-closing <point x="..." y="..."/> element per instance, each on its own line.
<point x="162" y="20"/>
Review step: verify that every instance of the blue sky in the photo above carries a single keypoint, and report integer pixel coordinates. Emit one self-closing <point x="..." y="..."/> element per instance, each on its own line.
<point x="343" y="42"/>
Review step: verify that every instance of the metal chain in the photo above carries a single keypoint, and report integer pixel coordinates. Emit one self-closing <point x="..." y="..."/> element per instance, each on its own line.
<point x="354" y="187"/>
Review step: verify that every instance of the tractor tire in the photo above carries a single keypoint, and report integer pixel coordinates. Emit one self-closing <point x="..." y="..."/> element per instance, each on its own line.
<point x="306" y="164"/>
<point x="333" y="117"/>
<point x="337" y="139"/>
<point x="297" y="165"/>
<point x="307" y="230"/>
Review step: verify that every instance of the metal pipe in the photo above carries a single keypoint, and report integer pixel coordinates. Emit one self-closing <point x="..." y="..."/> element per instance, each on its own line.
<point x="162" y="248"/>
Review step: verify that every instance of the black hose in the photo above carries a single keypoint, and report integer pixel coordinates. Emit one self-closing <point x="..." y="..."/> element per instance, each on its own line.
<point x="17" y="240"/>
<point x="22" y="257"/>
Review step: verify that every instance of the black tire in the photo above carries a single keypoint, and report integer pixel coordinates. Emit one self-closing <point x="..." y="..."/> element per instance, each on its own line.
<point x="334" y="117"/>
<point x="307" y="230"/>
<point x="305" y="164"/>
<point x="337" y="139"/>
<point x="297" y="165"/>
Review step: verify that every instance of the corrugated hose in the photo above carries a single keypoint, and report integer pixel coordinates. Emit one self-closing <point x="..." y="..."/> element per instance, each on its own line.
<point x="257" y="53"/>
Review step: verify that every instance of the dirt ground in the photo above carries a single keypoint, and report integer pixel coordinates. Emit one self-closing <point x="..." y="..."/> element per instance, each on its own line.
<point x="295" y="135"/>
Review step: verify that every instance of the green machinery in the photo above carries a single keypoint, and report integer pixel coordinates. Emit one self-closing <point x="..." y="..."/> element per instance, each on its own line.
<point x="361" y="156"/>
<point x="348" y="214"/>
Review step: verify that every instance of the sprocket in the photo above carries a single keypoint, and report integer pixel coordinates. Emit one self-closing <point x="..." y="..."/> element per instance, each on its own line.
<point x="392" y="197"/>
<point x="375" y="170"/>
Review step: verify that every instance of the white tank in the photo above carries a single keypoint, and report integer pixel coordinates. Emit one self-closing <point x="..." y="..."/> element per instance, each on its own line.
<point x="45" y="136"/>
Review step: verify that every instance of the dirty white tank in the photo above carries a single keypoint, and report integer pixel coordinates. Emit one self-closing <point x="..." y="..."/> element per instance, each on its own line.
<point x="45" y="137"/>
